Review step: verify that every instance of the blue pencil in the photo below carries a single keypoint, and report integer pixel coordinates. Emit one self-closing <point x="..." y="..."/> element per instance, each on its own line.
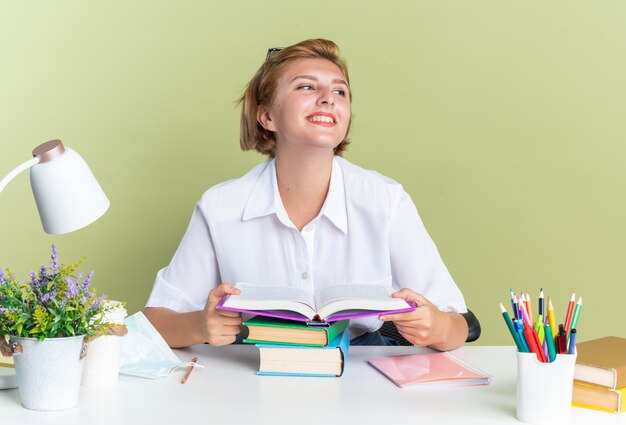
<point x="519" y="327"/>
<point x="514" y="303"/>
<point x="572" y="342"/>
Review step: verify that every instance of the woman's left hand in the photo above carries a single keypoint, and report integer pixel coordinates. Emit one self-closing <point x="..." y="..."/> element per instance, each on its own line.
<point x="427" y="325"/>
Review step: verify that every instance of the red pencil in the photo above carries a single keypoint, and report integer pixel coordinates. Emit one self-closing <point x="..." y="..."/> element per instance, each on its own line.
<point x="533" y="342"/>
<point x="570" y="311"/>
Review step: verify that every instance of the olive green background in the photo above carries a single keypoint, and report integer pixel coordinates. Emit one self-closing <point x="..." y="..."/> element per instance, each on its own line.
<point x="504" y="120"/>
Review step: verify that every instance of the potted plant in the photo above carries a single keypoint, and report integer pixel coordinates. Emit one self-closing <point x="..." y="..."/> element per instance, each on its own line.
<point x="43" y="323"/>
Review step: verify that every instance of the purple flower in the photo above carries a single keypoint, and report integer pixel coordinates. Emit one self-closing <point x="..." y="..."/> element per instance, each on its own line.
<point x="55" y="259"/>
<point x="96" y="303"/>
<point x="43" y="271"/>
<point x="2" y="275"/>
<point x="72" y="288"/>
<point x="87" y="281"/>
<point x="36" y="283"/>
<point x="47" y="297"/>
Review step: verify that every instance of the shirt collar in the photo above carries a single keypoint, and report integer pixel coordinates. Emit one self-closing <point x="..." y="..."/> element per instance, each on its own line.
<point x="334" y="207"/>
<point x="265" y="198"/>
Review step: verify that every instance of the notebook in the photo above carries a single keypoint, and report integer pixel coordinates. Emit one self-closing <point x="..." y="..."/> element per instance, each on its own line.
<point x="428" y="370"/>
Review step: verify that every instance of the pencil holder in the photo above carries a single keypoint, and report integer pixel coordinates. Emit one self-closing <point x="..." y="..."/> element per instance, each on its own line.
<point x="544" y="390"/>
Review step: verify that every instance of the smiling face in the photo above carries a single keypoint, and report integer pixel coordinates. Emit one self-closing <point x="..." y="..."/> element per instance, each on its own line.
<point x="311" y="106"/>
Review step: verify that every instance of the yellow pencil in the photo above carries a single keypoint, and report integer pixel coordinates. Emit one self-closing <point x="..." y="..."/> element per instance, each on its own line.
<point x="551" y="319"/>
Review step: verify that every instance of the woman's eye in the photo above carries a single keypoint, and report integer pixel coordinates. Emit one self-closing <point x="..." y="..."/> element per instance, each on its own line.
<point x="340" y="92"/>
<point x="306" y="87"/>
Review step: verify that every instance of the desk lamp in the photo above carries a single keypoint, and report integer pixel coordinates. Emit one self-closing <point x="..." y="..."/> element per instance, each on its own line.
<point x="67" y="194"/>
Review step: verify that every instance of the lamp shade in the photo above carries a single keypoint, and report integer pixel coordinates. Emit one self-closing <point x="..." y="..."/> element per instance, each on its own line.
<point x="67" y="194"/>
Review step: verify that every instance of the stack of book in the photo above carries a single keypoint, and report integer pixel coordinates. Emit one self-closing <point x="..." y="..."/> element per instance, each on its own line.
<point x="288" y="347"/>
<point x="600" y="375"/>
<point x="299" y="333"/>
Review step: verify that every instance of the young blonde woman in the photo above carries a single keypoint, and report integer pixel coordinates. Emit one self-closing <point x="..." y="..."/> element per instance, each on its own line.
<point x="306" y="218"/>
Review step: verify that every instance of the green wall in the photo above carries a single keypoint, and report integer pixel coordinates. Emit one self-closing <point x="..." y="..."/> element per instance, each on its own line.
<point x="503" y="119"/>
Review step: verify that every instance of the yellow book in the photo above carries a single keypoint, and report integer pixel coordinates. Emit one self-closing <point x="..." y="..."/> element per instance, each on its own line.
<point x="602" y="362"/>
<point x="6" y="361"/>
<point x="599" y="398"/>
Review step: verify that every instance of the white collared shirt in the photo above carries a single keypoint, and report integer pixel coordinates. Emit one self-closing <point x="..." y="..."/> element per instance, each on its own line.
<point x="367" y="232"/>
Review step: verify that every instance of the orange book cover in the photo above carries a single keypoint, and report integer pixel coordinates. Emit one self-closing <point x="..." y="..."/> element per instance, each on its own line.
<point x="602" y="362"/>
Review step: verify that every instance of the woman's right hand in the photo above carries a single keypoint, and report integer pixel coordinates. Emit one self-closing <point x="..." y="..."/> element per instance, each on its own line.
<point x="221" y="327"/>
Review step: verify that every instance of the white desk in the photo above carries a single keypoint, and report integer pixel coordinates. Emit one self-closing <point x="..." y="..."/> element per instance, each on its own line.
<point x="227" y="391"/>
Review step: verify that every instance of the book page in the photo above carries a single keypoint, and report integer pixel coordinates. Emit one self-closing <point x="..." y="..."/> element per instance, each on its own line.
<point x="357" y="297"/>
<point x="255" y="297"/>
<point x="352" y="292"/>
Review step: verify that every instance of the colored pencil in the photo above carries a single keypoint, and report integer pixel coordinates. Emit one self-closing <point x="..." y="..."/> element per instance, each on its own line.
<point x="189" y="370"/>
<point x="509" y="324"/>
<point x="533" y="342"/>
<point x="550" y="342"/>
<point x="571" y="348"/>
<point x="577" y="308"/>
<point x="552" y="319"/>
<point x="523" y="311"/>
<point x="570" y="311"/>
<point x="529" y="308"/>
<point x="513" y="303"/>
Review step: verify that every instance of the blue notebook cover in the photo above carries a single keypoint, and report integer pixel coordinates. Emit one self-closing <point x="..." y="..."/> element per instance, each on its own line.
<point x="342" y="342"/>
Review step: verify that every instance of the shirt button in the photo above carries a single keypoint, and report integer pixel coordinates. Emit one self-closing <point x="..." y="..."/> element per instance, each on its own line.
<point x="309" y="228"/>
<point x="305" y="276"/>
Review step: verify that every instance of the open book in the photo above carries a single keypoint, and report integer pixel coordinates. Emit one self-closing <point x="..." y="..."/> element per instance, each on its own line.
<point x="328" y="305"/>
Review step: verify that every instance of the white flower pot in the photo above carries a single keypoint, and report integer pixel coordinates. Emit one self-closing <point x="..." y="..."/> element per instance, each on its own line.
<point x="49" y="372"/>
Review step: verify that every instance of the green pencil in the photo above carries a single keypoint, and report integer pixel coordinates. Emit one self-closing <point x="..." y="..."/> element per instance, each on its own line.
<point x="579" y="305"/>
<point x="509" y="323"/>
<point x="550" y="342"/>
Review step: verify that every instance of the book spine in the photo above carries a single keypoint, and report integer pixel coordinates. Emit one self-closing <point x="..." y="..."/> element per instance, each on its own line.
<point x="344" y="346"/>
<point x="335" y="329"/>
<point x="620" y="377"/>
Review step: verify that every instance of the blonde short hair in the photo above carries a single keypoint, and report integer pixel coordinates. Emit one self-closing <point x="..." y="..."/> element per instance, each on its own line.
<point x="262" y="88"/>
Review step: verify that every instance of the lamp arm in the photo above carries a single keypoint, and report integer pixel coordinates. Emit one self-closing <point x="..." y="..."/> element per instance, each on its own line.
<point x="23" y="166"/>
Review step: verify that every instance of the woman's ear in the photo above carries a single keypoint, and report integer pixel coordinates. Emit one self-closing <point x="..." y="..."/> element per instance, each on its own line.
<point x="263" y="117"/>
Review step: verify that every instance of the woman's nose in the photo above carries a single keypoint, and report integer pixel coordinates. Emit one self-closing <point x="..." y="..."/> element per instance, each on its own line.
<point x="326" y="97"/>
